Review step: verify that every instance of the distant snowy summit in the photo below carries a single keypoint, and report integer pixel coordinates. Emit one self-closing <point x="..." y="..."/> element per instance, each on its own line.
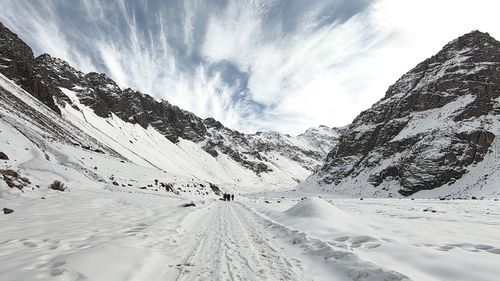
<point x="203" y="148"/>
<point x="435" y="128"/>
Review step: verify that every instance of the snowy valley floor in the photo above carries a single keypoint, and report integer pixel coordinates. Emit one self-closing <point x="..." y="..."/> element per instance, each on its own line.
<point x="95" y="234"/>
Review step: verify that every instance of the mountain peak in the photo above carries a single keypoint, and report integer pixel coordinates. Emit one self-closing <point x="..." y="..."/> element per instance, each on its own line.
<point x="44" y="56"/>
<point x="434" y="123"/>
<point x="475" y="40"/>
<point x="475" y="36"/>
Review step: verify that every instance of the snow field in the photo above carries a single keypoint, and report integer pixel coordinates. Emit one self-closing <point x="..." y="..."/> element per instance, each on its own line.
<point x="450" y="240"/>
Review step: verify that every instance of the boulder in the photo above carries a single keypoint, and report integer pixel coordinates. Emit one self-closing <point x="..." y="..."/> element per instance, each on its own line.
<point x="3" y="156"/>
<point x="188" y="205"/>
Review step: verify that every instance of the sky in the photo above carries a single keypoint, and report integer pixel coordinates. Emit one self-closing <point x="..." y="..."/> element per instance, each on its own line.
<point x="254" y="65"/>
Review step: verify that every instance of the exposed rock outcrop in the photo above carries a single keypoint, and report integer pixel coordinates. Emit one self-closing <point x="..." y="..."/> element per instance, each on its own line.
<point x="432" y="124"/>
<point x="18" y="64"/>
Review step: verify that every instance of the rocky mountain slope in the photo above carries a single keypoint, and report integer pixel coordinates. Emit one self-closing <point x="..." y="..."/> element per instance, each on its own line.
<point x="436" y="127"/>
<point x="153" y="132"/>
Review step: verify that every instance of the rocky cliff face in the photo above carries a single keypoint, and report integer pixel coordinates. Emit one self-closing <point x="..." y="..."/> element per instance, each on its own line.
<point x="105" y="97"/>
<point x="434" y="123"/>
<point x="45" y="76"/>
<point x="18" y="64"/>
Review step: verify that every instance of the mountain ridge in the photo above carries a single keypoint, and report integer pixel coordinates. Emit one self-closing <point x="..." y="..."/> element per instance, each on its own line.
<point x="66" y="89"/>
<point x="432" y="126"/>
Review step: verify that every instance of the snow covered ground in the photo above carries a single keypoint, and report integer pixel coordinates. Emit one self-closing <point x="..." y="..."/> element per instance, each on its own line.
<point x="94" y="233"/>
<point x="421" y="239"/>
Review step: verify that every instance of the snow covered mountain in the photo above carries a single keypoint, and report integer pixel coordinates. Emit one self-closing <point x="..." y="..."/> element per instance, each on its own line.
<point x="149" y="132"/>
<point x="435" y="131"/>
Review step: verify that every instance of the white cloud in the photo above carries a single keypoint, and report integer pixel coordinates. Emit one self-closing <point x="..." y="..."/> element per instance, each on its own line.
<point x="300" y="73"/>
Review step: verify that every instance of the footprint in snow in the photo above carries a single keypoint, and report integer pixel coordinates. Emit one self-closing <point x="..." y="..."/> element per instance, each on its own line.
<point x="372" y="245"/>
<point x="58" y="264"/>
<point x="342" y="238"/>
<point x="445" y="248"/>
<point x="30" y="244"/>
<point x="483" y="247"/>
<point x="57" y="271"/>
<point x="494" y="251"/>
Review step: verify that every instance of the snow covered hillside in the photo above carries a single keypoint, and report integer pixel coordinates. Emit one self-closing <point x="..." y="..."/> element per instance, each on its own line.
<point x="156" y="134"/>
<point x="434" y="134"/>
<point x="40" y="147"/>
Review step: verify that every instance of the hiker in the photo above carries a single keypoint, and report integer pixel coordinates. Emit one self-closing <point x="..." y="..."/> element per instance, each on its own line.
<point x="232" y="197"/>
<point x="225" y="196"/>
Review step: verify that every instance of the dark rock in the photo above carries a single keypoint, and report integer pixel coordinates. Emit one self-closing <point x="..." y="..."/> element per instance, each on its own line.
<point x="473" y="198"/>
<point x="10" y="173"/>
<point x="434" y="152"/>
<point x="169" y="187"/>
<point x="116" y="183"/>
<point x="7" y="211"/>
<point x="57" y="185"/>
<point x="3" y="156"/>
<point x="215" y="189"/>
<point x="14" y="180"/>
<point x="188" y="205"/>
<point x="18" y="64"/>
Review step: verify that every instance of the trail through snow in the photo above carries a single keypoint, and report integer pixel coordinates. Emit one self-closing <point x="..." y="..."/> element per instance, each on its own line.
<point x="231" y="245"/>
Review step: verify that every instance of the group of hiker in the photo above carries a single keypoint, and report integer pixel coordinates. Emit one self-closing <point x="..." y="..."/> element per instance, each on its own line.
<point x="228" y="197"/>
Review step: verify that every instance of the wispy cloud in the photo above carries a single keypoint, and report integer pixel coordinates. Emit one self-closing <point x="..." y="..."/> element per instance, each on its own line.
<point x="254" y="65"/>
